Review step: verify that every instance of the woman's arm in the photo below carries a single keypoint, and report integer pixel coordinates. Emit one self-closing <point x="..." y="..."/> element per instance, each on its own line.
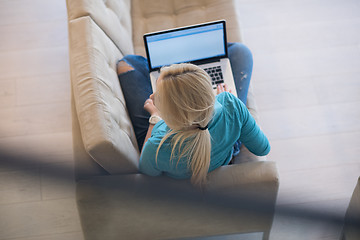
<point x="251" y="134"/>
<point x="148" y="134"/>
<point x="150" y="107"/>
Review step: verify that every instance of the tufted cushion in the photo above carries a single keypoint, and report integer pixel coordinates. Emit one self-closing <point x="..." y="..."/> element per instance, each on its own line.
<point x="105" y="125"/>
<point x="112" y="16"/>
<point x="150" y="16"/>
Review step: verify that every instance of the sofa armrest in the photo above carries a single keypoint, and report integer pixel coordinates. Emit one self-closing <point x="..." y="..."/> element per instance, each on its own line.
<point x="112" y="16"/>
<point x="105" y="126"/>
<point x="244" y="174"/>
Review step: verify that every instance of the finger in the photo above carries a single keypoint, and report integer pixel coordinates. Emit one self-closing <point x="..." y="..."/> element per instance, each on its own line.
<point x="222" y="87"/>
<point x="218" y="89"/>
<point x="147" y="106"/>
<point x="225" y="88"/>
<point x="147" y="102"/>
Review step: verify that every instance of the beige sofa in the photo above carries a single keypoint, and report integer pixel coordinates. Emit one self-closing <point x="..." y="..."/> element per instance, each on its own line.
<point x="114" y="200"/>
<point x="351" y="229"/>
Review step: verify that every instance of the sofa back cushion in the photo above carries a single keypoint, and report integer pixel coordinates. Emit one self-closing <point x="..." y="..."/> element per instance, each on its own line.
<point x="112" y="16"/>
<point x="155" y="15"/>
<point x="105" y="126"/>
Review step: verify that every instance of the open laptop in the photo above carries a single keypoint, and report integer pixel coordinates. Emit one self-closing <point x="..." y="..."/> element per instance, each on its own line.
<point x="204" y="45"/>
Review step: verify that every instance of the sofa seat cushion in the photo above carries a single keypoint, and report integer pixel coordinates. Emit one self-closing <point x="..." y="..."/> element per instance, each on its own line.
<point x="105" y="126"/>
<point x="136" y="206"/>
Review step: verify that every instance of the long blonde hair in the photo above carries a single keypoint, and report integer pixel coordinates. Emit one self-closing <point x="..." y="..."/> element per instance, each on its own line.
<point x="186" y="100"/>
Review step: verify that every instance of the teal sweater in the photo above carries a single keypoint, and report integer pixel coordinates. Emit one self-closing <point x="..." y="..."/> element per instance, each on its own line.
<point x="231" y="121"/>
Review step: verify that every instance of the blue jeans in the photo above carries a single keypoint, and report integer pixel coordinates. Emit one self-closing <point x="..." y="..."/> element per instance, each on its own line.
<point x="136" y="86"/>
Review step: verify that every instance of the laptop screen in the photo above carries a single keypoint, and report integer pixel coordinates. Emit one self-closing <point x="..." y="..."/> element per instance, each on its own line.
<point x="188" y="44"/>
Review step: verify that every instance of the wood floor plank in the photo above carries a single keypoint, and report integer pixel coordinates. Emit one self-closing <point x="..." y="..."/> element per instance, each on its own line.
<point x="311" y="63"/>
<point x="297" y="92"/>
<point x="39" y="149"/>
<point x="32" y="36"/>
<point x="34" y="62"/>
<point x="338" y="88"/>
<point x="35" y="119"/>
<point x="303" y="36"/>
<point x="307" y="91"/>
<point x="301" y="227"/>
<point x="315" y="185"/>
<point x="283" y="12"/>
<point x="316" y="152"/>
<point x="38" y="218"/>
<point x="62" y="236"/>
<point x="311" y="121"/>
<point x="57" y="188"/>
<point x="7" y="93"/>
<point x="19" y="186"/>
<point x="20" y="11"/>
<point x="43" y="89"/>
<point x="33" y="90"/>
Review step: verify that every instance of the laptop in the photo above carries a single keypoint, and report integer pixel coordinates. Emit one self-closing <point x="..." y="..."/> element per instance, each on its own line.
<point x="203" y="44"/>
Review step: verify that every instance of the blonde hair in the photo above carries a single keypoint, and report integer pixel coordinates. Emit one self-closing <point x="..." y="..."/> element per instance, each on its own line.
<point x="186" y="100"/>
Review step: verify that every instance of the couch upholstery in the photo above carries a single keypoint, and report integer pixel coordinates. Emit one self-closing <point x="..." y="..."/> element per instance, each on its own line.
<point x="105" y="149"/>
<point x="351" y="230"/>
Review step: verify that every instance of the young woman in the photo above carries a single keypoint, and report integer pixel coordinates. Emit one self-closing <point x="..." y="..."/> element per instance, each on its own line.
<point x="191" y="131"/>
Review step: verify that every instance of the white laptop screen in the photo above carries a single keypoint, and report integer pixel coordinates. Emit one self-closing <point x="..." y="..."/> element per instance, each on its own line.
<point x="186" y="44"/>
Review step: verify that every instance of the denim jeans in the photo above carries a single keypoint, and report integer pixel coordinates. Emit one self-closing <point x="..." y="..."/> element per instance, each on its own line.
<point x="136" y="86"/>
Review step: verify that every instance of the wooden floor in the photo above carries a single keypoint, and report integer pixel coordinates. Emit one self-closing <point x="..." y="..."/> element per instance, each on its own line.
<point x="306" y="78"/>
<point x="307" y="82"/>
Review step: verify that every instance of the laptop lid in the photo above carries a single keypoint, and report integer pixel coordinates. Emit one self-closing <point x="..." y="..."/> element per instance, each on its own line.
<point x="196" y="44"/>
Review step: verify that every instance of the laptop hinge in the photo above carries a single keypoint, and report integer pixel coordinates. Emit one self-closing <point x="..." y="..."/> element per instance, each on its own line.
<point x="205" y="61"/>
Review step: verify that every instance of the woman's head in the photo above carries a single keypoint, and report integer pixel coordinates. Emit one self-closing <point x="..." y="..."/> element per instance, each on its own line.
<point x="186" y="100"/>
<point x="184" y="96"/>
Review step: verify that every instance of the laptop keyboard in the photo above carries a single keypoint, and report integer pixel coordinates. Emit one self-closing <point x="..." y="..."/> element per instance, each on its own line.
<point x="216" y="75"/>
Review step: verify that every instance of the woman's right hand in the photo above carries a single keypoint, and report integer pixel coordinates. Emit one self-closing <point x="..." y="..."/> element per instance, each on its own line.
<point x="222" y="88"/>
